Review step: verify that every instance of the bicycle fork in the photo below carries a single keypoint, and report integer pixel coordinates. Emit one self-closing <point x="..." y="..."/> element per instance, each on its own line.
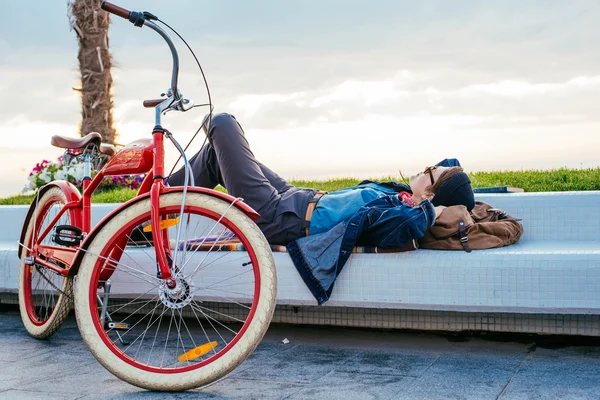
<point x="160" y="237"/>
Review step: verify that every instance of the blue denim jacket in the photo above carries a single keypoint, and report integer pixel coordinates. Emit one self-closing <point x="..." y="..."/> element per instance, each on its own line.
<point x="385" y="222"/>
<point x="341" y="205"/>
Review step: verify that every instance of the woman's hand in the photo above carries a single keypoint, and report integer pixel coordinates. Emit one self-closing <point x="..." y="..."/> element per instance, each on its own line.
<point x="439" y="210"/>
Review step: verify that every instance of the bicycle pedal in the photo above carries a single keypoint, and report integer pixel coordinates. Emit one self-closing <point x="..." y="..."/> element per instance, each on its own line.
<point x="118" y="326"/>
<point x="67" y="235"/>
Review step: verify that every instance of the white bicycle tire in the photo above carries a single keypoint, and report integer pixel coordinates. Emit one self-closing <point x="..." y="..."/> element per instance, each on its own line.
<point x="223" y="365"/>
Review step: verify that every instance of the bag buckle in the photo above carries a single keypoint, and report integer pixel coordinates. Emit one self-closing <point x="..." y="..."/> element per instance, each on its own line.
<point x="502" y="214"/>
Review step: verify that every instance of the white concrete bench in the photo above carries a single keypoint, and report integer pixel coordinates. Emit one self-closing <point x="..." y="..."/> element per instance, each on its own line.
<point x="553" y="270"/>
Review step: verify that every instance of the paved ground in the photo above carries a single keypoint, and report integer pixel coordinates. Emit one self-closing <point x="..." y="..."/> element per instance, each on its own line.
<point x="325" y="363"/>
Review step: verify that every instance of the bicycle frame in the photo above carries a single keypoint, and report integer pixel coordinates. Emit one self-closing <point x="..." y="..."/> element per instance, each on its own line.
<point x="141" y="156"/>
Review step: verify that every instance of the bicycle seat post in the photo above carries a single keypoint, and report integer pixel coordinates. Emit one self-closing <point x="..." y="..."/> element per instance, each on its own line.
<point x="87" y="167"/>
<point x="86" y="181"/>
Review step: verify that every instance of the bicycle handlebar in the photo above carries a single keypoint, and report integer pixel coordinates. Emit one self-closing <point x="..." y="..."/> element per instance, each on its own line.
<point x="116" y="10"/>
<point x="152" y="103"/>
<point x="147" y="19"/>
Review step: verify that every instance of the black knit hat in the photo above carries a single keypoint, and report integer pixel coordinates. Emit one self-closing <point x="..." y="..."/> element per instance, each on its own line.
<point x="455" y="191"/>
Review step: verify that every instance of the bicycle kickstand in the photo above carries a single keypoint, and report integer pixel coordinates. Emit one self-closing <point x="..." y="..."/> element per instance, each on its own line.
<point x="107" y="285"/>
<point x="105" y="314"/>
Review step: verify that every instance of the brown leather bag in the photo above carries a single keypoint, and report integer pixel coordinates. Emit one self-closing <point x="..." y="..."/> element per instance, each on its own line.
<point x="485" y="227"/>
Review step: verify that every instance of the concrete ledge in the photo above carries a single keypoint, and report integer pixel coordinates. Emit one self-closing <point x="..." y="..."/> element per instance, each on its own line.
<point x="555" y="269"/>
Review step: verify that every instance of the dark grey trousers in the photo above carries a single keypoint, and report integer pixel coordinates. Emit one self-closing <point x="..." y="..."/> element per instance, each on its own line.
<point x="228" y="161"/>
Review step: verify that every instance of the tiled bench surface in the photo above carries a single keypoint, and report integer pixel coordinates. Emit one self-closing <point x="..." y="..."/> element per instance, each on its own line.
<point x="554" y="269"/>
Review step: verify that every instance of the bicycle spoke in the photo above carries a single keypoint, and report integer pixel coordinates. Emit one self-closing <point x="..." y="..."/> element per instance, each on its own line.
<point x="133" y="313"/>
<point x="109" y="259"/>
<point x="141" y="272"/>
<point x="147" y="241"/>
<point x="165" y="309"/>
<point x="216" y="320"/>
<point x="184" y="248"/>
<point x="233" y="284"/>
<point x="144" y="332"/>
<point x="121" y="305"/>
<point x="196" y="250"/>
<point x="147" y="328"/>
<point x="187" y="329"/>
<point x="132" y="301"/>
<point x="166" y="340"/>
<point x="203" y="241"/>
<point x="216" y="312"/>
<point x="224" y="254"/>
<point x="202" y="327"/>
<point x="235" y="276"/>
<point x="180" y="340"/>
<point x="226" y="291"/>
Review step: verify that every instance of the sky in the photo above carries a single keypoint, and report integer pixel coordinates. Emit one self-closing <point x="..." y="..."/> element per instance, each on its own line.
<point x="327" y="88"/>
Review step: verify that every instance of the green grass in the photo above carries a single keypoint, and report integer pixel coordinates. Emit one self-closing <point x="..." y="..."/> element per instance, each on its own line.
<point x="555" y="180"/>
<point x="112" y="196"/>
<point x="17" y="200"/>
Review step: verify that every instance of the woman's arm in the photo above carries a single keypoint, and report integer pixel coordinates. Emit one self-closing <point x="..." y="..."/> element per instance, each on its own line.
<point x="392" y="223"/>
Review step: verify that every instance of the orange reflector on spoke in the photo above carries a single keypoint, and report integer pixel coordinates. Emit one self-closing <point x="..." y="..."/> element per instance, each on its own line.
<point x="197" y="352"/>
<point x="164" y="224"/>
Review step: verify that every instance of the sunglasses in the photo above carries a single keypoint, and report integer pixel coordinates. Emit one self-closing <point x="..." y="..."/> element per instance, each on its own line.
<point x="429" y="171"/>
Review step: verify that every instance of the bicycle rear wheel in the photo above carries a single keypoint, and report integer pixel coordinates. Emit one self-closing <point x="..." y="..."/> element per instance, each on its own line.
<point x="44" y="296"/>
<point x="176" y="339"/>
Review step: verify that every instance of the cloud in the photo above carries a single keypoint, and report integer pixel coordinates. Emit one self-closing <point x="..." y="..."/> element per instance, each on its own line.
<point x="40" y="94"/>
<point x="367" y="92"/>
<point x="503" y="103"/>
<point x="250" y="104"/>
<point x="515" y="88"/>
<point x="331" y="73"/>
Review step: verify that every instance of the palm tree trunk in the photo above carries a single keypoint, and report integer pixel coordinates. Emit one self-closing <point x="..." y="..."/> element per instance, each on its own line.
<point x="91" y="24"/>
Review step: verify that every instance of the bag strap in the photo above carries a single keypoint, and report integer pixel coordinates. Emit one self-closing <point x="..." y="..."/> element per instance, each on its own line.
<point x="464" y="237"/>
<point x="501" y="214"/>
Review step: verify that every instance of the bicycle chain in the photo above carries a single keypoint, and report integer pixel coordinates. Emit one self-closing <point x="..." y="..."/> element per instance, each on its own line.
<point x="38" y="267"/>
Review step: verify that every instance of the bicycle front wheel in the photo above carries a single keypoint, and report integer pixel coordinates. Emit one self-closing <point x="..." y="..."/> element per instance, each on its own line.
<point x="162" y="338"/>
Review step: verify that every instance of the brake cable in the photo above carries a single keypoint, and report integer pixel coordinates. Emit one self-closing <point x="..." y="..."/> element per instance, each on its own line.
<point x="209" y="122"/>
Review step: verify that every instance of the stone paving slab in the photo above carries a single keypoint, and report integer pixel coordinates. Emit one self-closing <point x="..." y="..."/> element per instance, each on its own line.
<point x="571" y="373"/>
<point x="467" y="374"/>
<point x="324" y="362"/>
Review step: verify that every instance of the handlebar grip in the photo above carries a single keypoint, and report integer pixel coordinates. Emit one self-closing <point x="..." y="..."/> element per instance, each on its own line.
<point x="114" y="9"/>
<point x="152" y="103"/>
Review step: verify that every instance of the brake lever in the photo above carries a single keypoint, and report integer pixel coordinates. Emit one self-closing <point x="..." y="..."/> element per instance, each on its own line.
<point x="186" y="104"/>
<point x="180" y="104"/>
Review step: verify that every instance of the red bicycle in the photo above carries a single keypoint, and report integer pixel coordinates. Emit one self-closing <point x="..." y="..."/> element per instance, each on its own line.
<point x="157" y="300"/>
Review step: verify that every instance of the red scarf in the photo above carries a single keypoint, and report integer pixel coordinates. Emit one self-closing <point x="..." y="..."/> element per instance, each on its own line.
<point x="407" y="199"/>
